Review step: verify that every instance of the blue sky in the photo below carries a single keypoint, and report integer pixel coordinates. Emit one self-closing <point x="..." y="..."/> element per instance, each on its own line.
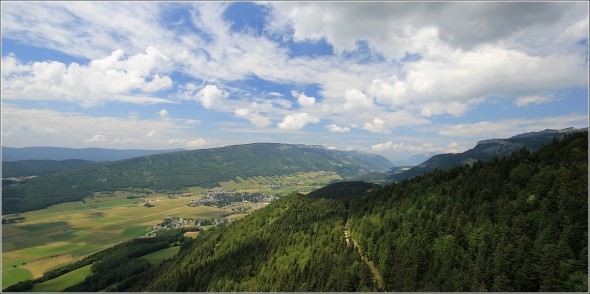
<point x="395" y="79"/>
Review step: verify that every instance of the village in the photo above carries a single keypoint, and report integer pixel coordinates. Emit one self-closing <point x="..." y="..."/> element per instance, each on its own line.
<point x="225" y="198"/>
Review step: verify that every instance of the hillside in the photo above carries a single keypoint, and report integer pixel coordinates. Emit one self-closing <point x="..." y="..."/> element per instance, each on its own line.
<point x="38" y="166"/>
<point x="485" y="150"/>
<point x="517" y="223"/>
<point x="343" y="190"/>
<point x="60" y="153"/>
<point x="177" y="170"/>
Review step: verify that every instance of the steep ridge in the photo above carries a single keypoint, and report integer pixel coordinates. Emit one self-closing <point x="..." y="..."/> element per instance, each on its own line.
<point x="171" y="171"/>
<point x="486" y="150"/>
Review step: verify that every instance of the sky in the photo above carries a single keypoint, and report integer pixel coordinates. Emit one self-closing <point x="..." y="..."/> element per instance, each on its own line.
<point x="390" y="78"/>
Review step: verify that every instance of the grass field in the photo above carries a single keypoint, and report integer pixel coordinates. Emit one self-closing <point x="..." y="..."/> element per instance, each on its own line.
<point x="301" y="182"/>
<point x="159" y="256"/>
<point x="63" y="233"/>
<point x="16" y="273"/>
<point x="66" y="280"/>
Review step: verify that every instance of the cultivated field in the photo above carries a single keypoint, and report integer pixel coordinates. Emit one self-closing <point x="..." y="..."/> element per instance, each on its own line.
<point x="61" y="234"/>
<point x="67" y="232"/>
<point x="297" y="182"/>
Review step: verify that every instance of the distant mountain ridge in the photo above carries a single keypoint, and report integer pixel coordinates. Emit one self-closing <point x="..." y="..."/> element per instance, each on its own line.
<point x="177" y="170"/>
<point x="414" y="159"/>
<point x="39" y="166"/>
<point x="62" y="153"/>
<point x="485" y="150"/>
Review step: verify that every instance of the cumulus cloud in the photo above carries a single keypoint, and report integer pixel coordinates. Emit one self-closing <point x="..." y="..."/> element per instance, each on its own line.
<point x="356" y="100"/>
<point x="395" y="64"/>
<point x="509" y="127"/>
<point x="448" y="83"/>
<point x="44" y="127"/>
<point x="163" y="113"/>
<point x="255" y="118"/>
<point x="297" y="121"/>
<point x="210" y="96"/>
<point x="376" y="126"/>
<point x="113" y="78"/>
<point x="528" y="100"/>
<point x="336" y="129"/>
<point x="303" y="100"/>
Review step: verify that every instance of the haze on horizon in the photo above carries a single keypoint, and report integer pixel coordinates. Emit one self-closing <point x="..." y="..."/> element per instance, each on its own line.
<point x="394" y="79"/>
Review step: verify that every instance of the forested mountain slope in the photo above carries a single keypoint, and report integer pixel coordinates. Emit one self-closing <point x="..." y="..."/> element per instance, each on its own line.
<point x="169" y="171"/>
<point x="517" y="223"/>
<point x="38" y="166"/>
<point x="485" y="150"/>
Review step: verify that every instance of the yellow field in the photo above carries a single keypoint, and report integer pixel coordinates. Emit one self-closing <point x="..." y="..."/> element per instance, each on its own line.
<point x="63" y="233"/>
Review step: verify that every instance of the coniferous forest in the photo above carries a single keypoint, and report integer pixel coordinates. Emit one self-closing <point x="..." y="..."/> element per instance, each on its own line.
<point x="516" y="223"/>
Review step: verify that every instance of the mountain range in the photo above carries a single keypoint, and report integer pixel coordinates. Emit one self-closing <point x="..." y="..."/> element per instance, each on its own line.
<point x="178" y="170"/>
<point x="512" y="224"/>
<point x="60" y="153"/>
<point x="486" y="150"/>
<point x="32" y="167"/>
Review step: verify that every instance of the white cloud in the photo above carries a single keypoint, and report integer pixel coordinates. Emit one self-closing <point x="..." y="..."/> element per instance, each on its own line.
<point x="98" y="138"/>
<point x="44" y="127"/>
<point x="466" y="53"/>
<point x="448" y="82"/>
<point x="297" y="121"/>
<point x="452" y="147"/>
<point x="163" y="113"/>
<point x="193" y="122"/>
<point x="113" y="78"/>
<point x="196" y="143"/>
<point x="509" y="127"/>
<point x="336" y="129"/>
<point x="376" y="126"/>
<point x="528" y="100"/>
<point x="255" y="118"/>
<point x="356" y="100"/>
<point x="436" y="108"/>
<point x="303" y="100"/>
<point x="87" y="29"/>
<point x="394" y="29"/>
<point x="210" y="96"/>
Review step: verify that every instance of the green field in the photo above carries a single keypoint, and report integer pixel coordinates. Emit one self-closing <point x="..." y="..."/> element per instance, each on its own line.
<point x="159" y="256"/>
<point x="63" y="233"/>
<point x="300" y="182"/>
<point x="66" y="280"/>
<point x="15" y="274"/>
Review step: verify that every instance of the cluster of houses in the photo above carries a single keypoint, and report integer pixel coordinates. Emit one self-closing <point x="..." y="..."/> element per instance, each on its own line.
<point x="173" y="223"/>
<point x="146" y="203"/>
<point x="178" y="195"/>
<point x="225" y="198"/>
